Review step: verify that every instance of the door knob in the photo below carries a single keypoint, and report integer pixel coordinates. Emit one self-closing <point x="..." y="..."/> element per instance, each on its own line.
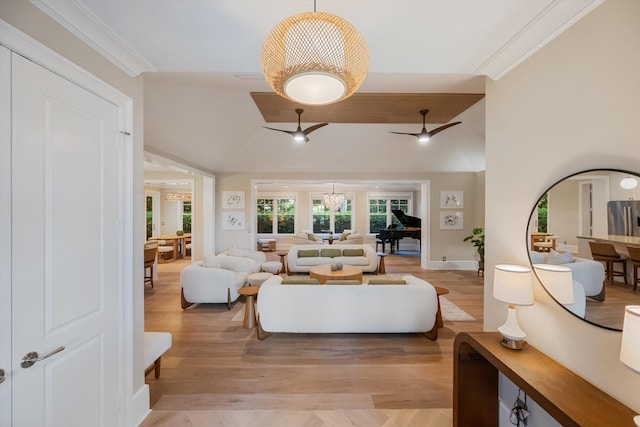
<point x="1" y="376"/>
<point x="31" y="358"/>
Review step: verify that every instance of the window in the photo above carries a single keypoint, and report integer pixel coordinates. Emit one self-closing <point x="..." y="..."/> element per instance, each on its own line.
<point x="325" y="220"/>
<point x="381" y="208"/>
<point x="186" y="217"/>
<point x="276" y="214"/>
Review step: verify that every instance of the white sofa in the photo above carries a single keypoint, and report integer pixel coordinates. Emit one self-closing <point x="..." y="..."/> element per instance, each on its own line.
<point x="589" y="273"/>
<point x="301" y="262"/>
<point x="350" y="238"/>
<point x="217" y="278"/>
<point x="306" y="238"/>
<point x="342" y="308"/>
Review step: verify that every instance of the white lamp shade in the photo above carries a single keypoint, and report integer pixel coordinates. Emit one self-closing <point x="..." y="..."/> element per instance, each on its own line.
<point x="558" y="280"/>
<point x="630" y="348"/>
<point x="513" y="284"/>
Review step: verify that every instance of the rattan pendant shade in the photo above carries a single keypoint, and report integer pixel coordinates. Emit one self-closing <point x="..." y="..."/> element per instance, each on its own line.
<point x="315" y="58"/>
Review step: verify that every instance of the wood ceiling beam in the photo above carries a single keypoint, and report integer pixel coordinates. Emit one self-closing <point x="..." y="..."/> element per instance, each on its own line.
<point x="369" y="108"/>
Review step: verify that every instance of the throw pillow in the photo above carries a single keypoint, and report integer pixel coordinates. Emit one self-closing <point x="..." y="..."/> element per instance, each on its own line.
<point x="211" y="261"/>
<point x="353" y="252"/>
<point x="387" y="282"/>
<point x="306" y="253"/>
<point x="342" y="282"/>
<point x="299" y="281"/>
<point x="311" y="236"/>
<point x="237" y="264"/>
<point x="332" y="253"/>
<point x="554" y="257"/>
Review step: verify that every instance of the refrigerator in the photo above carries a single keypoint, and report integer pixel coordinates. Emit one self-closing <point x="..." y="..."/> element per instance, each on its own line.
<point x="624" y="217"/>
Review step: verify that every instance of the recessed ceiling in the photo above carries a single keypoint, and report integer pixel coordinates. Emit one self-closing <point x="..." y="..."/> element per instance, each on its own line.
<point x="200" y="60"/>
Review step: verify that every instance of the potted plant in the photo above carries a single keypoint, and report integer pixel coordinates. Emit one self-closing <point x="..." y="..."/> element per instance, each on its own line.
<point x="477" y="240"/>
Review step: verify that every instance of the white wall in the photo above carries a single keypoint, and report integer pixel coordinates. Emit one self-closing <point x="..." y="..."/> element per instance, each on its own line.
<point x="443" y="242"/>
<point x="572" y="106"/>
<point x="27" y="18"/>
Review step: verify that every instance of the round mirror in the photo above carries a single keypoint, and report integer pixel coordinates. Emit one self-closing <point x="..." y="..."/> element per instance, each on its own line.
<point x="571" y="224"/>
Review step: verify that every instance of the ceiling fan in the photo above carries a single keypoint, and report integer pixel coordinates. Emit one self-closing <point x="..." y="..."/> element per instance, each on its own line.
<point x="300" y="135"/>
<point x="424" y="136"/>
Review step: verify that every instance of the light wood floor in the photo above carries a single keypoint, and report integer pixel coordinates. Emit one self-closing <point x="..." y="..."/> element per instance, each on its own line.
<point x="219" y="374"/>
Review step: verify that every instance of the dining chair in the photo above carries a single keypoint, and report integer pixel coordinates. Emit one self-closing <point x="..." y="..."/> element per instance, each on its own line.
<point x="607" y="254"/>
<point x="634" y="257"/>
<point x="149" y="261"/>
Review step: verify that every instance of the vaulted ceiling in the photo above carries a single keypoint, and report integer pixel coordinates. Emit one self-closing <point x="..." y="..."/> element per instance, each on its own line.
<point x="201" y="61"/>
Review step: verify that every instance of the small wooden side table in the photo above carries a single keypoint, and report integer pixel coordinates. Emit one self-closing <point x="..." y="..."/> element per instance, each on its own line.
<point x="440" y="291"/>
<point x="381" y="269"/>
<point x="250" y="309"/>
<point x="283" y="254"/>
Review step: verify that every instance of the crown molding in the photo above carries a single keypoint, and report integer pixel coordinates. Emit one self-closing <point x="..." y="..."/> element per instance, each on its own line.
<point x="77" y="19"/>
<point x="549" y="23"/>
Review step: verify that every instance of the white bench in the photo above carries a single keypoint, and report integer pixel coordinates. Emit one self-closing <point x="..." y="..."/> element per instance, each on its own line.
<point x="155" y="345"/>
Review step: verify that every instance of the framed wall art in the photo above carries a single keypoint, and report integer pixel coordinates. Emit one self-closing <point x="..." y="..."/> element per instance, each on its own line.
<point x="451" y="199"/>
<point x="233" y="200"/>
<point x="451" y="220"/>
<point x="233" y="220"/>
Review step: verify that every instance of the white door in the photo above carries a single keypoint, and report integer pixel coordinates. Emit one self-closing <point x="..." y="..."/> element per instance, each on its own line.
<point x="66" y="262"/>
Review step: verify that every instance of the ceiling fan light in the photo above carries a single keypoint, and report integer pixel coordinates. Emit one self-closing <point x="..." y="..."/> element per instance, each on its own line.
<point x="423" y="139"/>
<point x="314" y="48"/>
<point x="299" y="137"/>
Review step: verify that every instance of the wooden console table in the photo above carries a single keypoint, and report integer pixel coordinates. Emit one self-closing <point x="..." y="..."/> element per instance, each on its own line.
<point x="571" y="400"/>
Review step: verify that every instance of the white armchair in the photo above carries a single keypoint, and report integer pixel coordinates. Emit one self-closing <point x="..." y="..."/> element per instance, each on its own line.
<point x="217" y="278"/>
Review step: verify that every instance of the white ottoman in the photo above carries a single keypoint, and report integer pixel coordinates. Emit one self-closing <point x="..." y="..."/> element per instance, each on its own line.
<point x="256" y="279"/>
<point x="155" y="344"/>
<point x="272" y="267"/>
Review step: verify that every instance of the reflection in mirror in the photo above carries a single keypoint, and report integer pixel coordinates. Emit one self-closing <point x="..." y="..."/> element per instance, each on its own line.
<point x="576" y="210"/>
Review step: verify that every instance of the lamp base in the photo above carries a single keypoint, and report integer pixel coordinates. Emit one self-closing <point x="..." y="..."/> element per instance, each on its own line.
<point x="513" y="344"/>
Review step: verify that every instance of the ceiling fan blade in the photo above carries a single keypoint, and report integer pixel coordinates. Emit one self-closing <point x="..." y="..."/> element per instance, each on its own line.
<point x="280" y="130"/>
<point x="310" y="129"/>
<point x="405" y="133"/>
<point x="441" y="128"/>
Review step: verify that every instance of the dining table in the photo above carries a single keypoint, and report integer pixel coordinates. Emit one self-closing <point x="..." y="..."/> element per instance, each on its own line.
<point x="180" y="241"/>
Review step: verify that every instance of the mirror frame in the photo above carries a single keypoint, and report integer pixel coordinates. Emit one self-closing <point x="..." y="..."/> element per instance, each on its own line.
<point x="533" y="210"/>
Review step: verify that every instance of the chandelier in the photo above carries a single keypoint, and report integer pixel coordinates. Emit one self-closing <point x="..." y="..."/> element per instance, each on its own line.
<point x="315" y="58"/>
<point x="334" y="200"/>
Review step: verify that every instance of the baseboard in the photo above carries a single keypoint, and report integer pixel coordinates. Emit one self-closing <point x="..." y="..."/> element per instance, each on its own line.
<point x="453" y="265"/>
<point x="141" y="407"/>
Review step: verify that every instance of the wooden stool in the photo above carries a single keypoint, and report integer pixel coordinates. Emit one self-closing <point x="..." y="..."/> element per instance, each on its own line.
<point x="634" y="257"/>
<point x="440" y="291"/>
<point x="381" y="269"/>
<point x="283" y="254"/>
<point x="250" y="309"/>
<point x="606" y="253"/>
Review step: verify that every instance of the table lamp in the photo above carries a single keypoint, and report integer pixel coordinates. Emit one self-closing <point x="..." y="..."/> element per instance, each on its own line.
<point x="513" y="284"/>
<point x="558" y="280"/>
<point x="630" y="347"/>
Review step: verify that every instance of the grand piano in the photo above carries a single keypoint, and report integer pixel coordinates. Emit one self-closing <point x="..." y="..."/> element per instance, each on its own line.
<point x="411" y="227"/>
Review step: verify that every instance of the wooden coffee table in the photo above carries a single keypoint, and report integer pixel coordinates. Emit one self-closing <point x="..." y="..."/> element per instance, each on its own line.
<point x="323" y="273"/>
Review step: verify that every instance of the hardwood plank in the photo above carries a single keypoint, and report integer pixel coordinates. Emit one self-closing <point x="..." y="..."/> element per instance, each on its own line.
<point x="218" y="373"/>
